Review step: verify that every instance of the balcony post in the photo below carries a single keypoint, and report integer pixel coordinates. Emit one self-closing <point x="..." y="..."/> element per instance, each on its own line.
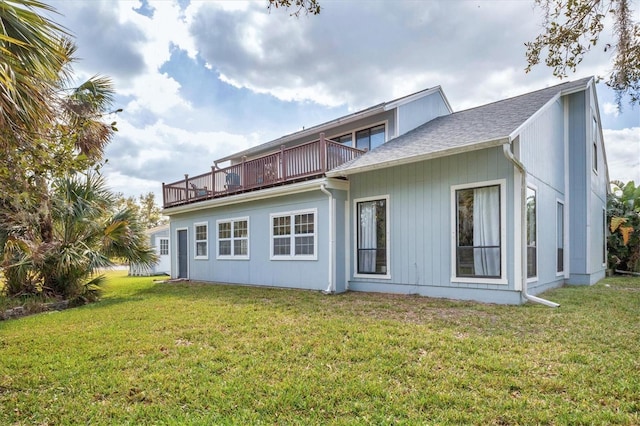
<point x="244" y="180"/>
<point x="283" y="164"/>
<point x="186" y="186"/>
<point x="323" y="153"/>
<point x="213" y="180"/>
<point x="164" y="196"/>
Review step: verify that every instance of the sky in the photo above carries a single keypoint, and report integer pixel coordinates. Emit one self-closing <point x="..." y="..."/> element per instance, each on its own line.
<point x="199" y="80"/>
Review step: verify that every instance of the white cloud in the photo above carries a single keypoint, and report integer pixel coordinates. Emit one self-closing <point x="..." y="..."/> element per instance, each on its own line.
<point x="610" y="109"/>
<point x="623" y="153"/>
<point x="353" y="55"/>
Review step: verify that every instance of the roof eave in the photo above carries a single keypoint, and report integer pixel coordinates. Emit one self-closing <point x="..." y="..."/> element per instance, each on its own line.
<point x="417" y="158"/>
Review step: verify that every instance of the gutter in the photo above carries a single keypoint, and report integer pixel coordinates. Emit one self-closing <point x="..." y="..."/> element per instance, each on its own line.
<point x="523" y="220"/>
<point x="331" y="287"/>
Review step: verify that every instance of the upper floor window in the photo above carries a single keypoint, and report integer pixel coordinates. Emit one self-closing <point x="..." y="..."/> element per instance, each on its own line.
<point x="344" y="139"/>
<point x="293" y="235"/>
<point x="370" y="138"/>
<point x="233" y="238"/>
<point x="202" y="243"/>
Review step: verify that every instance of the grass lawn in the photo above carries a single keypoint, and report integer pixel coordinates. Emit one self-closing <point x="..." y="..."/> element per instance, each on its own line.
<point x="152" y="353"/>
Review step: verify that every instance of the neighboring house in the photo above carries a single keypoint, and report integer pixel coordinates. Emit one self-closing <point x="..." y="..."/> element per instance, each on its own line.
<point x="159" y="240"/>
<point x="496" y="203"/>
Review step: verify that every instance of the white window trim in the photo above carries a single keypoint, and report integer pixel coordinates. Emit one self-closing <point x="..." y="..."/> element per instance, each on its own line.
<point x="355" y="238"/>
<point x="196" y="241"/>
<point x="503" y="233"/>
<point x="535" y="277"/>
<point x="232" y="239"/>
<point x="160" y="240"/>
<point x="292" y="235"/>
<point x="564" y="239"/>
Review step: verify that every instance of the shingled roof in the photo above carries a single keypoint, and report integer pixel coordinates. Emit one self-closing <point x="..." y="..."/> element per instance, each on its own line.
<point x="476" y="128"/>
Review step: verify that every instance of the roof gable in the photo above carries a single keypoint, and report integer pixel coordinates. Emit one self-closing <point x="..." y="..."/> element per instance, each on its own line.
<point x="476" y="128"/>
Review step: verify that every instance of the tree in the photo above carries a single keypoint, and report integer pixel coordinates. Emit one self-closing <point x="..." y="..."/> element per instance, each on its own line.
<point x="302" y="6"/>
<point x="86" y="235"/>
<point x="54" y="232"/>
<point x="31" y="58"/>
<point x="148" y="212"/>
<point x="623" y="215"/>
<point x="572" y="28"/>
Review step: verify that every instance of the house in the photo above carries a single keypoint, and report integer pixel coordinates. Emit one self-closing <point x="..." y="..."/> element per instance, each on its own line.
<point x="496" y="203"/>
<point x="159" y="240"/>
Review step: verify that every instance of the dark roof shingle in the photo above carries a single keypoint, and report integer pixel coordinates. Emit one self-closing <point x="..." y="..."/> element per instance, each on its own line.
<point x="475" y="128"/>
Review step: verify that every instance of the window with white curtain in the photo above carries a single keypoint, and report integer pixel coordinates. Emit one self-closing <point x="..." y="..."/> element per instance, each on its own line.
<point x="233" y="238"/>
<point x="532" y="246"/>
<point x="372" y="229"/>
<point x="478" y="234"/>
<point x="293" y="235"/>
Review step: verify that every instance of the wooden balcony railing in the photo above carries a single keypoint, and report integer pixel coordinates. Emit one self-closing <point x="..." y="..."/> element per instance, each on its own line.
<point x="287" y="165"/>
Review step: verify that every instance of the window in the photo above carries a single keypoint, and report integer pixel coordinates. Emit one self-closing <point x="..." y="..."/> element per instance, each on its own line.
<point x="164" y="246"/>
<point x="370" y="138"/>
<point x="344" y="139"/>
<point x="372" y="231"/>
<point x="560" y="237"/>
<point x="594" y="133"/>
<point x="233" y="238"/>
<point x="532" y="249"/>
<point x="202" y="250"/>
<point x="479" y="237"/>
<point x="293" y="235"/>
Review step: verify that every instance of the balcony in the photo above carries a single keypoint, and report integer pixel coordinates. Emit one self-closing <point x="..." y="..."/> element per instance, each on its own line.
<point x="306" y="161"/>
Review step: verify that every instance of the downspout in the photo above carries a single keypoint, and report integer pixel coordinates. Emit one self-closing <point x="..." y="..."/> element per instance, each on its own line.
<point x="330" y="288"/>
<point x="523" y="227"/>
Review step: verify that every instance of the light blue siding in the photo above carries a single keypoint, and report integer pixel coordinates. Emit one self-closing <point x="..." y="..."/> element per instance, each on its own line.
<point x="542" y="151"/>
<point x="421" y="229"/>
<point x="260" y="269"/>
<point x="579" y="180"/>
<point x="542" y="147"/>
<point x="413" y="114"/>
<point x="587" y="192"/>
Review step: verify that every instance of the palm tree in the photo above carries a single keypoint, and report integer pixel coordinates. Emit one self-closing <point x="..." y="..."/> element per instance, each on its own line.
<point x="32" y="56"/>
<point x="87" y="234"/>
<point x="623" y="213"/>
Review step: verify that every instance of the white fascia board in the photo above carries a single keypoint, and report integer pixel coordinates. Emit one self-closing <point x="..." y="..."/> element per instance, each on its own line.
<point x="276" y="191"/>
<point x="578" y="88"/>
<point x="417" y="158"/>
<point x="548" y="104"/>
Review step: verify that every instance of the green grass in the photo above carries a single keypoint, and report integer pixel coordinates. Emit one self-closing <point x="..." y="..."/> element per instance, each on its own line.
<point x="152" y="353"/>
